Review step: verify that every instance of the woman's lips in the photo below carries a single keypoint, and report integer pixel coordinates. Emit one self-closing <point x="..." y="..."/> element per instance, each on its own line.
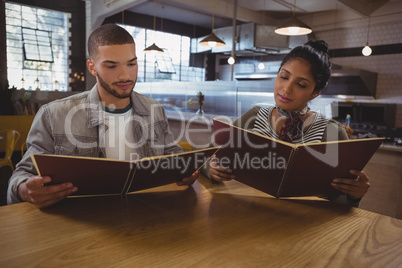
<point x="283" y="99"/>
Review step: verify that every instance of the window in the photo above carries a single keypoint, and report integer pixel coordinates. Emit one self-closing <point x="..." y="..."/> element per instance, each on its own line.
<point x="172" y="65"/>
<point x="164" y="63"/>
<point x="37" y="48"/>
<point x="37" y="45"/>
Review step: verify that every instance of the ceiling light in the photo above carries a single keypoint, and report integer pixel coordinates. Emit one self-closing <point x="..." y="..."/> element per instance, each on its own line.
<point x="153" y="48"/>
<point x="366" y="51"/>
<point x="261" y="66"/>
<point x="293" y="26"/>
<point x="231" y="60"/>
<point x="212" y="40"/>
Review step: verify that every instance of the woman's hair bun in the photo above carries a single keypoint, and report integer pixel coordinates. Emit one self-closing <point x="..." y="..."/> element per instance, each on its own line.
<point x="318" y="45"/>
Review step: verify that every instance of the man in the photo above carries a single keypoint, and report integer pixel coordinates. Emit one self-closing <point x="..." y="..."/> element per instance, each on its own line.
<point x="110" y="120"/>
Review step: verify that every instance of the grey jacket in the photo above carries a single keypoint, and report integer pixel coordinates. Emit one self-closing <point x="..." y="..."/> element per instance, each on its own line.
<point x="75" y="126"/>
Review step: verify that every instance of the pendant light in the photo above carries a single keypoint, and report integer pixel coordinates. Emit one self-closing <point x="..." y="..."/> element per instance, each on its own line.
<point x="231" y="60"/>
<point x="153" y="48"/>
<point x="293" y="26"/>
<point x="261" y="65"/>
<point x="366" y="51"/>
<point x="212" y="40"/>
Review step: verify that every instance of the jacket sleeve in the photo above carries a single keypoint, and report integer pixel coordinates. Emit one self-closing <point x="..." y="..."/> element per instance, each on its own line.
<point x="170" y="145"/>
<point x="39" y="141"/>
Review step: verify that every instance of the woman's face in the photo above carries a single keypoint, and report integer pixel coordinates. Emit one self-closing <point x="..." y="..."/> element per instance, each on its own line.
<point x="294" y="85"/>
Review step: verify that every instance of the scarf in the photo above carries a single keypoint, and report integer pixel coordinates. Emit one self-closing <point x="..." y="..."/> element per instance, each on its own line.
<point x="293" y="126"/>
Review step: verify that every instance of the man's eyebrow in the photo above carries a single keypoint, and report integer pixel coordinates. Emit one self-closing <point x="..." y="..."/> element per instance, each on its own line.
<point x="115" y="62"/>
<point x="109" y="61"/>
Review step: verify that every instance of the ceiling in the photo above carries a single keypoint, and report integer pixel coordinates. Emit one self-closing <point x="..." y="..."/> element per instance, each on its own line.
<point x="318" y="14"/>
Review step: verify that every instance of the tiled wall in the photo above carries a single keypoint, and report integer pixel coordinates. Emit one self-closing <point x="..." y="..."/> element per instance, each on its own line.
<point x="380" y="34"/>
<point x="388" y="67"/>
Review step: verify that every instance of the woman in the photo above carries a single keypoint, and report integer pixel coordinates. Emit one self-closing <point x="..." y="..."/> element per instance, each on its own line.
<point x="303" y="74"/>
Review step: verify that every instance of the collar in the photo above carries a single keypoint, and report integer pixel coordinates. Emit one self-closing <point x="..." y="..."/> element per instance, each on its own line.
<point x="117" y="111"/>
<point x="95" y="107"/>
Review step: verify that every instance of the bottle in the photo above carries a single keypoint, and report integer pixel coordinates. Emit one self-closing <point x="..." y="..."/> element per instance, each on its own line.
<point x="347" y="120"/>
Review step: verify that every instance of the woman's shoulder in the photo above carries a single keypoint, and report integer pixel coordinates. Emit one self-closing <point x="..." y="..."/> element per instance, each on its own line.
<point x="253" y="111"/>
<point x="334" y="131"/>
<point x="258" y="109"/>
<point x="247" y="119"/>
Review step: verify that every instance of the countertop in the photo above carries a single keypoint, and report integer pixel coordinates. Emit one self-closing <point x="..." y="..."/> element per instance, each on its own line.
<point x="207" y="119"/>
<point x="390" y="146"/>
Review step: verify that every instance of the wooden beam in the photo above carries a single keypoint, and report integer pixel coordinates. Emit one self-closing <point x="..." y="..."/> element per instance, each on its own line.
<point x="225" y="9"/>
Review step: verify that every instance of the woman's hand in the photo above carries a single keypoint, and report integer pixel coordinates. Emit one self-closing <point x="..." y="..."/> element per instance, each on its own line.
<point x="354" y="188"/>
<point x="218" y="173"/>
<point x="188" y="180"/>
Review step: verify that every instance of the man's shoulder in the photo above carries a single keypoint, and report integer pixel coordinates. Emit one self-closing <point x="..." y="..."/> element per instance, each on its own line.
<point x="71" y="99"/>
<point x="144" y="105"/>
<point x="68" y="102"/>
<point x="143" y="98"/>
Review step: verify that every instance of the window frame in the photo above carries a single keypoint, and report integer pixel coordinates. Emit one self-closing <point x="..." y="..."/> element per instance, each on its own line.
<point x="30" y="28"/>
<point x="35" y="43"/>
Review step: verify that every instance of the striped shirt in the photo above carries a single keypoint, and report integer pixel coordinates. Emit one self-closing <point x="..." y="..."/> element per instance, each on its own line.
<point x="314" y="133"/>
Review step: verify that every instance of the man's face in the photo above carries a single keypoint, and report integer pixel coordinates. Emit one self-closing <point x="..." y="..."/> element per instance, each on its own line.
<point x="115" y="68"/>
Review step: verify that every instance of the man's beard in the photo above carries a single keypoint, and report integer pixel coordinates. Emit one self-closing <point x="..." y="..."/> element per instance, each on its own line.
<point x="113" y="92"/>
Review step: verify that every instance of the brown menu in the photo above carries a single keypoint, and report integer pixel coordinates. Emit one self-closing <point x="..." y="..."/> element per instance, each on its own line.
<point x="102" y="176"/>
<point x="284" y="169"/>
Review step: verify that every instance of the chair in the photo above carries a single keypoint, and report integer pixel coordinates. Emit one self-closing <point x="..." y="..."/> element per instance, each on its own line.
<point x="10" y="138"/>
<point x="186" y="146"/>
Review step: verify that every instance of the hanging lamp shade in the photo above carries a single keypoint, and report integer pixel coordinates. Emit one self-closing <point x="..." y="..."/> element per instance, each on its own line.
<point x="212" y="40"/>
<point x="293" y="26"/>
<point x="153" y="49"/>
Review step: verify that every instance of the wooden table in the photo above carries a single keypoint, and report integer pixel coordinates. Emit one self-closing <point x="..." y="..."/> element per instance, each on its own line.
<point x="227" y="225"/>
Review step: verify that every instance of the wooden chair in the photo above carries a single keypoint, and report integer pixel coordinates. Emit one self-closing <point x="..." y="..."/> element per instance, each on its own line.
<point x="185" y="145"/>
<point x="10" y="138"/>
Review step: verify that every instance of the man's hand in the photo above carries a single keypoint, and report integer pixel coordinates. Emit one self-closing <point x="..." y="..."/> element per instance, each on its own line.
<point x="189" y="180"/>
<point x="35" y="191"/>
<point x="356" y="188"/>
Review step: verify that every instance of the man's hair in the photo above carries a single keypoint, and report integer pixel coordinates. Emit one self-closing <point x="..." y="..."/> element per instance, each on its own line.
<point x="107" y="35"/>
